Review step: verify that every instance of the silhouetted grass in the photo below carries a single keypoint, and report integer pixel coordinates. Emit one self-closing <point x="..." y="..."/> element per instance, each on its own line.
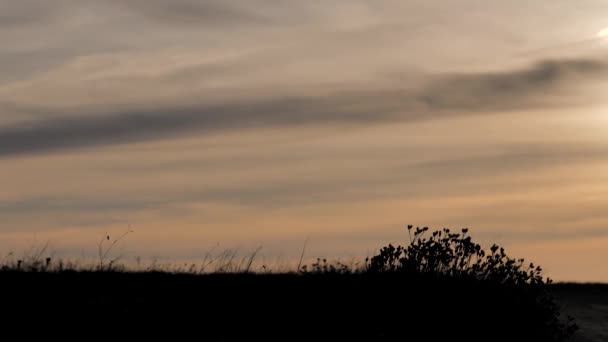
<point x="444" y="287"/>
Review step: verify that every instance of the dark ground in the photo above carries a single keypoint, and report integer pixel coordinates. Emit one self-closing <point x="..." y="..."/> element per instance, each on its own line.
<point x="282" y="307"/>
<point x="588" y="303"/>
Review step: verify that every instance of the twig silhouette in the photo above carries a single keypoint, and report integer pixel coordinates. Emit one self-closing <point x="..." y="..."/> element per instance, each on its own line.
<point x="104" y="253"/>
<point x="302" y="255"/>
<point x="251" y="259"/>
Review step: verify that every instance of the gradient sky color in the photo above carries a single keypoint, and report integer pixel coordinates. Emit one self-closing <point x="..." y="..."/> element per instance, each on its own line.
<point x="267" y="122"/>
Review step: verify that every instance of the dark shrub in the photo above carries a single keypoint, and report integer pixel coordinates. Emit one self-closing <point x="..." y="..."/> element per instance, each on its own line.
<point x="503" y="295"/>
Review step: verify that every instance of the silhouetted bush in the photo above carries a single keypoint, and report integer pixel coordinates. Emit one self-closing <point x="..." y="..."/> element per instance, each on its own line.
<point x="454" y="259"/>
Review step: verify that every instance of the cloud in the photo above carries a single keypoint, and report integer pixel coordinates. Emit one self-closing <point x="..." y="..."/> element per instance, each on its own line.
<point x="468" y="176"/>
<point x="25" y="13"/>
<point x="512" y="90"/>
<point x="461" y="94"/>
<point x="189" y="12"/>
<point x="69" y="133"/>
<point x="511" y="159"/>
<point x="54" y="204"/>
<point x="154" y="14"/>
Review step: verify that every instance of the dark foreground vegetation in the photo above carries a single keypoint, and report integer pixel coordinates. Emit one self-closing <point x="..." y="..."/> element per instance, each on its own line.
<point x="441" y="287"/>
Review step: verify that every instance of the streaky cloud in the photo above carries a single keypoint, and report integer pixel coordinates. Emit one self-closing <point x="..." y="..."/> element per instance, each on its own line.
<point x="407" y="180"/>
<point x="189" y="12"/>
<point x="511" y="90"/>
<point x="458" y="94"/>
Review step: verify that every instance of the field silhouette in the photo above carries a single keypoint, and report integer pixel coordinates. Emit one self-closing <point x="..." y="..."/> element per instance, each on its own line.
<point x="442" y="286"/>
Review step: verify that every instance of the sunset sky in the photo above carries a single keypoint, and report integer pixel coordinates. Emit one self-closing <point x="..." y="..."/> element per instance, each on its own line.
<point x="269" y="122"/>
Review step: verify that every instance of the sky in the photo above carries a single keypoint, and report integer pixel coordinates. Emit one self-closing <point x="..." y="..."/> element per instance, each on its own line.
<point x="205" y="123"/>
